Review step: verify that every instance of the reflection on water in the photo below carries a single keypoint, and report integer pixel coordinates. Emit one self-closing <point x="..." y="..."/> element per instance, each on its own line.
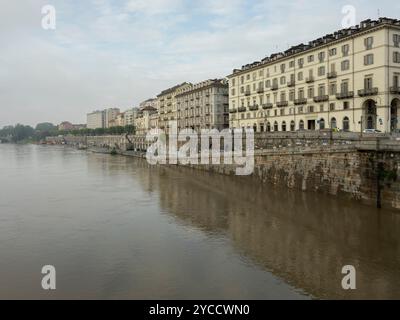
<point x="115" y="227"/>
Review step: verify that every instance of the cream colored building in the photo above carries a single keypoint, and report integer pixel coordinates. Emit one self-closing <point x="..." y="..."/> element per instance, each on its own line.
<point x="111" y="117"/>
<point x="143" y="120"/>
<point x="167" y="105"/>
<point x="348" y="80"/>
<point x="95" y="120"/>
<point x="204" y="105"/>
<point x="130" y="116"/>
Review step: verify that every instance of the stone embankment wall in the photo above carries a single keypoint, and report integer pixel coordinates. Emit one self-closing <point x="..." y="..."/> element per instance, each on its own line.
<point x="365" y="168"/>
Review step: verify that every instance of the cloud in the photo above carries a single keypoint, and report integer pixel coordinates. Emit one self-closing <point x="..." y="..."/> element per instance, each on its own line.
<point x="153" y="7"/>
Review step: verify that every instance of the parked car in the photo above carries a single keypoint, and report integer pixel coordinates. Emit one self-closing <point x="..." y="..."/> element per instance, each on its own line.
<point x="372" y="131"/>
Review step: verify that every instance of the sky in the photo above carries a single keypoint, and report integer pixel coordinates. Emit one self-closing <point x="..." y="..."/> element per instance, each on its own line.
<point x="117" y="53"/>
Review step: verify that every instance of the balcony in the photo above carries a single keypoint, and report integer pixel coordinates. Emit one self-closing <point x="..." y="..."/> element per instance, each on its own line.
<point x="322" y="98"/>
<point x="395" y="90"/>
<point x="254" y="108"/>
<point x="332" y="75"/>
<point x="301" y="101"/>
<point x="247" y="93"/>
<point x="268" y="106"/>
<point x="291" y="83"/>
<point x="260" y="90"/>
<point x="242" y="109"/>
<point x="282" y="104"/>
<point x="345" y="95"/>
<point x="310" y="79"/>
<point x="274" y="87"/>
<point x="368" y="92"/>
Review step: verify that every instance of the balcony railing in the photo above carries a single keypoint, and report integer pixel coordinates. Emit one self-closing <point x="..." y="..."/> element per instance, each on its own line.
<point x="395" y="90"/>
<point x="322" y="98"/>
<point x="345" y="95"/>
<point x="291" y="83"/>
<point x="268" y="106"/>
<point x="242" y="109"/>
<point x="260" y="90"/>
<point x="247" y="93"/>
<point x="254" y="107"/>
<point x="332" y="75"/>
<point x="281" y="104"/>
<point x="368" y="92"/>
<point x="301" y="101"/>
<point x="274" y="87"/>
<point x="310" y="79"/>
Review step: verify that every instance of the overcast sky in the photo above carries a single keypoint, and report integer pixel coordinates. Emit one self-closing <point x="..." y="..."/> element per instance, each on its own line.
<point x="117" y="53"/>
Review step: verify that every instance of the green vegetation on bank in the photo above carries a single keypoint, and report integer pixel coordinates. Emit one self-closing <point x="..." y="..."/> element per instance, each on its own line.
<point x="24" y="134"/>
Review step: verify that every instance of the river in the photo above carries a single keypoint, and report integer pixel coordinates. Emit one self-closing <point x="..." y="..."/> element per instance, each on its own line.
<point x="116" y="228"/>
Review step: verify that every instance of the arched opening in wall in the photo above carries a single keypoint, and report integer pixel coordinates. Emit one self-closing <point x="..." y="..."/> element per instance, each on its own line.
<point x="261" y="127"/>
<point x="394" y="115"/>
<point x="346" y="124"/>
<point x="322" y="124"/>
<point x="276" y="127"/>
<point x="292" y="126"/>
<point x="369" y="114"/>
<point x="333" y="123"/>
<point x="268" y="127"/>
<point x="301" y="125"/>
<point x="255" y="127"/>
<point x="284" y="126"/>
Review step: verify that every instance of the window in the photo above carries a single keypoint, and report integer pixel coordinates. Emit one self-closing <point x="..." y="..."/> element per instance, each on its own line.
<point x="291" y="64"/>
<point x="322" y="124"/>
<point x="291" y="95"/>
<point x="321" y="56"/>
<point x="321" y="90"/>
<point x="283" y="126"/>
<point x="300" y="63"/>
<point x="345" y="65"/>
<point x="346" y="105"/>
<point x="345" y="50"/>
<point x="276" y="126"/>
<point x="301" y="125"/>
<point x="333" y="52"/>
<point x="311" y="58"/>
<point x="332" y="89"/>
<point x="248" y="77"/>
<point x="333" y="123"/>
<point x="333" y="67"/>
<point x="283" y="80"/>
<point x="268" y="83"/>
<point x="292" y="126"/>
<point x="368" y="42"/>
<point x="241" y="89"/>
<point x="261" y="73"/>
<point x="241" y="80"/>
<point x="321" y="108"/>
<point x="344" y="87"/>
<point x="233" y="92"/>
<point x="283" y="67"/>
<point x="368" y="59"/>
<point x="283" y="96"/>
<point x="233" y="82"/>
<point x="301" y="93"/>
<point x="368" y="83"/>
<point x="311" y="109"/>
<point x="300" y="76"/>
<point x="300" y="110"/>
<point x="396" y="40"/>
<point x="396" y="57"/>
<point x="346" y="124"/>
<point x="321" y="71"/>
<point x="310" y="92"/>
<point x="332" y="107"/>
<point x="396" y="81"/>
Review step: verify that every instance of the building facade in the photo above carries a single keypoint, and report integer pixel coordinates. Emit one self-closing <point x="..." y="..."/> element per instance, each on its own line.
<point x="167" y="105"/>
<point x="204" y="105"/>
<point x="111" y="115"/>
<point x="143" y="120"/>
<point x="130" y="116"/>
<point x="96" y="120"/>
<point x="348" y="80"/>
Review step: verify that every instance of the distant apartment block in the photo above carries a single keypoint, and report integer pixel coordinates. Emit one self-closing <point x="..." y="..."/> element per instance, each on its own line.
<point x="204" y="105"/>
<point x="96" y="120"/>
<point x="167" y="104"/>
<point x="348" y="80"/>
<point x="111" y="115"/>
